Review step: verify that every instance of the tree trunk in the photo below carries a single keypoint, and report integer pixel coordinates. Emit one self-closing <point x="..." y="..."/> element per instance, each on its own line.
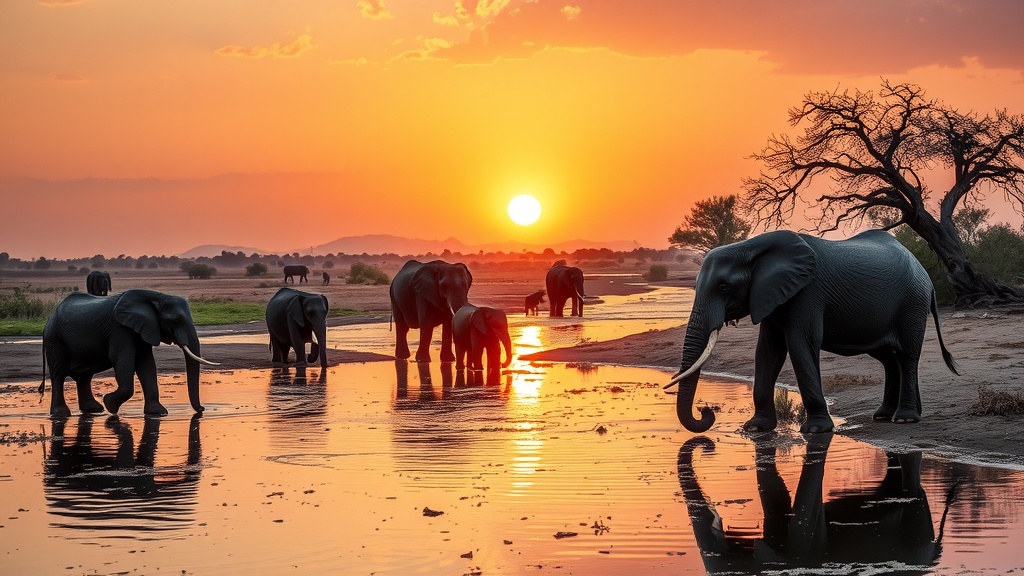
<point x="972" y="286"/>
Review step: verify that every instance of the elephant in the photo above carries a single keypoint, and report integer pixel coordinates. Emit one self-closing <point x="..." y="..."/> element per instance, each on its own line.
<point x="94" y="484"/>
<point x="89" y="334"/>
<point x="478" y="329"/>
<point x="98" y="283"/>
<point x="864" y="295"/>
<point x="327" y="278"/>
<point x="564" y="282"/>
<point x="296" y="270"/>
<point x="863" y="525"/>
<point x="293" y="319"/>
<point x="532" y="301"/>
<point x="423" y="296"/>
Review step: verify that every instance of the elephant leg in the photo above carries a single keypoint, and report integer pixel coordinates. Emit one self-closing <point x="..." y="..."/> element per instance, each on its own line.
<point x="145" y="366"/>
<point x="461" y="353"/>
<point x="909" y="410"/>
<point x="804" y="350"/>
<point x="58" y="405"/>
<point x="124" y="373"/>
<point x="86" y="402"/>
<point x="426" y="335"/>
<point x="769" y="356"/>
<point x="298" y="343"/>
<point x="446" y="342"/>
<point x="401" y="336"/>
<point x="278" y="351"/>
<point x="891" y="392"/>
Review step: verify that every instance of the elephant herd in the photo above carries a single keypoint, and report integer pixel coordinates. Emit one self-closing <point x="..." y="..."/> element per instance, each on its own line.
<point x="864" y="295"/>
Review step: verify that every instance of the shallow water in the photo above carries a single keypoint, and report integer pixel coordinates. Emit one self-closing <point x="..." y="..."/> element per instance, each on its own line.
<point x="341" y="471"/>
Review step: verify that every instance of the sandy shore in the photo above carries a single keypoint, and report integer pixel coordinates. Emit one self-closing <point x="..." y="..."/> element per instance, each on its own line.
<point x="987" y="344"/>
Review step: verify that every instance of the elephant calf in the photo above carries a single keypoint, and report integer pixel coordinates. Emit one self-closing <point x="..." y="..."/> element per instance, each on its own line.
<point x="475" y="330"/>
<point x="89" y="334"/>
<point x="532" y="301"/>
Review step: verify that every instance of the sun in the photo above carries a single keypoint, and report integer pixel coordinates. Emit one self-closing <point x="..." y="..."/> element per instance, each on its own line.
<point x="524" y="209"/>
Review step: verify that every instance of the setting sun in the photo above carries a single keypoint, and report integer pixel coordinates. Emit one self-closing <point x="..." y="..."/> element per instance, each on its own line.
<point x="524" y="209"/>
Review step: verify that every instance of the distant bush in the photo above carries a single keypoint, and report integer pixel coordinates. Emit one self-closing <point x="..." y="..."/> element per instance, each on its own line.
<point x="328" y="264"/>
<point x="42" y="264"/>
<point x="20" y="305"/>
<point x="197" y="271"/>
<point x="256" y="269"/>
<point x="361" y="273"/>
<point x="657" y="273"/>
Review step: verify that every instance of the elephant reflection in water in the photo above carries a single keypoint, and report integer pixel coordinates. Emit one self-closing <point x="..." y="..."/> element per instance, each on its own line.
<point x="889" y="522"/>
<point x="93" y="484"/>
<point x="297" y="405"/>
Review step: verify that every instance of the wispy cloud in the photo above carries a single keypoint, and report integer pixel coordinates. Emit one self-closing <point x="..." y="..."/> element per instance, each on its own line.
<point x="70" y="79"/>
<point x="571" y="12"/>
<point x="374" y="9"/>
<point x="277" y="50"/>
<point x="58" y="2"/>
<point x="445" y="20"/>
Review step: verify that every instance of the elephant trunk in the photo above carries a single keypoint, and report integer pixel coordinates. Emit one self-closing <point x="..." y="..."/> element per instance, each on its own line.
<point x="192" y="361"/>
<point x="506" y="341"/>
<point x="579" y="294"/>
<point x="318" y="349"/>
<point x="697" y="347"/>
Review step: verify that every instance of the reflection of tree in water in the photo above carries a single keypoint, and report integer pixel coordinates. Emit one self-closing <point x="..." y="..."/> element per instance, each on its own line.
<point x="297" y="405"/>
<point x="871" y="524"/>
<point x="985" y="496"/>
<point x="100" y="483"/>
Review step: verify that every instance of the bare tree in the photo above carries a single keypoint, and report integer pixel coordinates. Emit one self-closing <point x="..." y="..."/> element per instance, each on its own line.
<point x="877" y="151"/>
<point x="713" y="222"/>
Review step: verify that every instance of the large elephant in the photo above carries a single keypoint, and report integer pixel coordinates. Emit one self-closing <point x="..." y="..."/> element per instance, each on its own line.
<point x="564" y="283"/>
<point x="296" y="270"/>
<point x="98" y="283"/>
<point x="864" y="295"/>
<point x="89" y="334"/>
<point x="426" y="295"/>
<point x="889" y="523"/>
<point x="295" y="318"/>
<point x="100" y="482"/>
<point x="478" y="329"/>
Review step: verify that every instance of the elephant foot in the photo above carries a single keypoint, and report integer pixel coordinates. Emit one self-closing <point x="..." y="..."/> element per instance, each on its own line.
<point x="760" y="424"/>
<point x="817" y="425"/>
<point x="423" y="356"/>
<point x="111" y="405"/>
<point x="402" y="353"/>
<point x="884" y="414"/>
<point x="904" y="416"/>
<point x="447" y="357"/>
<point x="89" y="405"/>
<point x="155" y="409"/>
<point x="60" y="411"/>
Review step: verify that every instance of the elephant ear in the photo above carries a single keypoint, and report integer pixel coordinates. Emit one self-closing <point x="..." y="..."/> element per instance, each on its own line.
<point x="781" y="269"/>
<point x="469" y="276"/>
<point x="425" y="284"/>
<point x="134" y="310"/>
<point x="327" y="306"/>
<point x="295" y="311"/>
<point x="480" y="321"/>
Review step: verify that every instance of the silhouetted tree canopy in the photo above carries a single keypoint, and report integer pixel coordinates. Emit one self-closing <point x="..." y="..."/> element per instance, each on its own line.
<point x="713" y="222"/>
<point x="875" y="150"/>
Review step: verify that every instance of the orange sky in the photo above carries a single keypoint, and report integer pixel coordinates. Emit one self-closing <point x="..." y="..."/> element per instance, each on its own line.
<point x="422" y="119"/>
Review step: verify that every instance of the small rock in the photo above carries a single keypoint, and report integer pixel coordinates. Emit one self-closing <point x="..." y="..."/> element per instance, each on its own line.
<point x="561" y="535"/>
<point x="431" y="513"/>
<point x="467" y="555"/>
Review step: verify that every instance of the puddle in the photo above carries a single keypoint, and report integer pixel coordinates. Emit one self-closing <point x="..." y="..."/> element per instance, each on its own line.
<point x="403" y="468"/>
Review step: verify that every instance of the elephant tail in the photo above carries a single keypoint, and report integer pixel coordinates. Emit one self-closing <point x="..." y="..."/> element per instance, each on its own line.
<point x="946" y="356"/>
<point x="391" y="320"/>
<point x="42" y="385"/>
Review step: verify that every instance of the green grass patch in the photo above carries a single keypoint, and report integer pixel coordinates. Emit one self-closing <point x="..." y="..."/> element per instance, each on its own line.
<point x="22" y="326"/>
<point x="225" y="311"/>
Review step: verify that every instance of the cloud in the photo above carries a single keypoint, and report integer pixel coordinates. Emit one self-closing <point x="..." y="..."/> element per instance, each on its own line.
<point x="277" y="50"/>
<point x="374" y="9"/>
<point x="445" y="20"/>
<point x="70" y="79"/>
<point x="58" y="2"/>
<point x="571" y="12"/>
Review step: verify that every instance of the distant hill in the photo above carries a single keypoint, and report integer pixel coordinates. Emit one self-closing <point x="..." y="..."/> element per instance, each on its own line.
<point x="211" y="250"/>
<point x="389" y="244"/>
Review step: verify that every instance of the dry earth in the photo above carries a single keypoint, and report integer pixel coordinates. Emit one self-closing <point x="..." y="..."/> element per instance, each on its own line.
<point x="987" y="344"/>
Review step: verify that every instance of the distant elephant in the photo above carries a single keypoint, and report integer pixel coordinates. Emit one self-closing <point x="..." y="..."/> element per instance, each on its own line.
<point x="293" y="319"/>
<point x="98" y="283"/>
<point x="89" y="334"/>
<point x="864" y="295"/>
<point x="423" y="296"/>
<point x="564" y="283"/>
<point x="327" y="278"/>
<point x="478" y="329"/>
<point x="291" y="271"/>
<point x="101" y="483"/>
<point x="884" y="525"/>
<point x="532" y="301"/>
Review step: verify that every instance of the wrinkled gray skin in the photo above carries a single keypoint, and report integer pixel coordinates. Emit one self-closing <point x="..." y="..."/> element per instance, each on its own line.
<point x="564" y="283"/>
<point x="479" y="329"/>
<point x="98" y="283"/>
<point x="531" y="302"/>
<point x="296" y="270"/>
<point x="89" y="334"/>
<point x="865" y="295"/>
<point x="862" y="525"/>
<point x="424" y="296"/>
<point x="294" y="318"/>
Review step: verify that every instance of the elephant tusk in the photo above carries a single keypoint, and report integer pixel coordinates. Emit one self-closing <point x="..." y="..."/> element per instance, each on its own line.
<point x="452" y="310"/>
<point x="696" y="365"/>
<point x="313" y="336"/>
<point x="197" y="358"/>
